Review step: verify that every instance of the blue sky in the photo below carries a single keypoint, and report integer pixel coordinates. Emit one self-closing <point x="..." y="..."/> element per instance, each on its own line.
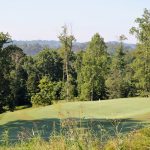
<point x="42" y="19"/>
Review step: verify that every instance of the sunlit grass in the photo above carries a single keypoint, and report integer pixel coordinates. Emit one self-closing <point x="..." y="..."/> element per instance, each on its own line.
<point x="132" y="112"/>
<point x="109" y="109"/>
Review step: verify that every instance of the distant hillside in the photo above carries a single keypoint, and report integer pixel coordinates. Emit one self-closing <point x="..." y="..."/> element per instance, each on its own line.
<point x="112" y="45"/>
<point x="35" y="46"/>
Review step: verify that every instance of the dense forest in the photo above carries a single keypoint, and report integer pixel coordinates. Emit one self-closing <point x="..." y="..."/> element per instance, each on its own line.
<point x="62" y="74"/>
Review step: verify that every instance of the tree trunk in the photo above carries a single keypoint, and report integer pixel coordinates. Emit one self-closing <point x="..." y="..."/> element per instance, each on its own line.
<point x="67" y="73"/>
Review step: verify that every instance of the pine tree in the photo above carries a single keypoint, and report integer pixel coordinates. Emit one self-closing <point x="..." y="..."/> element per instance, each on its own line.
<point x="115" y="81"/>
<point x="93" y="70"/>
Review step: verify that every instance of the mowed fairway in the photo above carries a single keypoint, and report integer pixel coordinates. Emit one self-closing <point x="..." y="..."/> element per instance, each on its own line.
<point x="132" y="109"/>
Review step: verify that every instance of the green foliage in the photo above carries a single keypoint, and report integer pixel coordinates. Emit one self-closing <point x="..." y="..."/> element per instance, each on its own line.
<point x="67" y="40"/>
<point x="18" y="78"/>
<point x="49" y="63"/>
<point x="5" y="67"/>
<point x="94" y="70"/>
<point x="4" y="38"/>
<point x="116" y="83"/>
<point x="33" y="76"/>
<point x="46" y="94"/>
<point x="61" y="74"/>
<point x="71" y="89"/>
<point x="142" y="61"/>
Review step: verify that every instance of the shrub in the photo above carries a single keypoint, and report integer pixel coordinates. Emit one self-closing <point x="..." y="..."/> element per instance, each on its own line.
<point x="46" y="93"/>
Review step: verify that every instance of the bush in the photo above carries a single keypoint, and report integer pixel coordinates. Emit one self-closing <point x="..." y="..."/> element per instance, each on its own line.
<point x="46" y="93"/>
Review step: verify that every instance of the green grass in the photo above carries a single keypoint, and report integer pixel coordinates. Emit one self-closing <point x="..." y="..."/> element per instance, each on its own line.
<point x="134" y="110"/>
<point x="110" y="109"/>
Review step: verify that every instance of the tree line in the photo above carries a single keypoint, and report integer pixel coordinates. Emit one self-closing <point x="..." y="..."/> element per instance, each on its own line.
<point x="62" y="74"/>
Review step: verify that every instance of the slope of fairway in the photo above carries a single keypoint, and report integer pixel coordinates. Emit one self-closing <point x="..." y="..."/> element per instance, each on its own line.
<point x="110" y="109"/>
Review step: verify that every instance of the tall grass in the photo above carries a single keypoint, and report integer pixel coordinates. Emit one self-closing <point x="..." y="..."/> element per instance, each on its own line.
<point x="73" y="136"/>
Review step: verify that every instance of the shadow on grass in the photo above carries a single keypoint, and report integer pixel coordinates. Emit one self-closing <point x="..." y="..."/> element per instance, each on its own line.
<point x="45" y="127"/>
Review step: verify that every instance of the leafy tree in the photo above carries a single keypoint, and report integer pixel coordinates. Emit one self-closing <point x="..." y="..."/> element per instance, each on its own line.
<point x="94" y="68"/>
<point x="4" y="38"/>
<point x="78" y="66"/>
<point x="17" y="77"/>
<point x="71" y="89"/>
<point x="142" y="62"/>
<point x="46" y="63"/>
<point x="18" y="87"/>
<point x="46" y="94"/>
<point x="130" y="82"/>
<point x="4" y="71"/>
<point x="49" y="63"/>
<point x="66" y="40"/>
<point x="12" y="75"/>
<point x="33" y="76"/>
